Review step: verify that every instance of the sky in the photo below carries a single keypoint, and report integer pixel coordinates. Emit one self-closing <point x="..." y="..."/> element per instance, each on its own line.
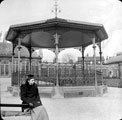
<point x="106" y="12"/>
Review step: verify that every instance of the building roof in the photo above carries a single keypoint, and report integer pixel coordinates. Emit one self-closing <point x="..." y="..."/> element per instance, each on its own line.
<point x="114" y="60"/>
<point x="90" y="58"/>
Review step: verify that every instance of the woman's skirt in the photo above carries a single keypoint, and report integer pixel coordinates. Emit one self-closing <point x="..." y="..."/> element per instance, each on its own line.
<point x="39" y="113"/>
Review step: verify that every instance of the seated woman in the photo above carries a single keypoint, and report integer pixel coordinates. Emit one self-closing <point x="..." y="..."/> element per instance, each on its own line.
<point x="30" y="95"/>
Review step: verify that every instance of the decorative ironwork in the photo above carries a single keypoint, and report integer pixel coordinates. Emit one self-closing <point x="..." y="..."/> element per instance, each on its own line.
<point x="56" y="9"/>
<point x="67" y="73"/>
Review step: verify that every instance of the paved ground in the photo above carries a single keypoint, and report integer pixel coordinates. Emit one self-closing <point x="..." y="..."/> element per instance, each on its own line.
<point x="107" y="107"/>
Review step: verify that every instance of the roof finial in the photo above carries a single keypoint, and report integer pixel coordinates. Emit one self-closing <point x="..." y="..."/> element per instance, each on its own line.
<point x="56" y="9"/>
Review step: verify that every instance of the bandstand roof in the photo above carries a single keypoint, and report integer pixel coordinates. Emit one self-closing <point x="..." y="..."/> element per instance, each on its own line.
<point x="72" y="33"/>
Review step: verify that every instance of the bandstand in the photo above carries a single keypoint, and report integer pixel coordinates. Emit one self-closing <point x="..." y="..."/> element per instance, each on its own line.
<point x="57" y="34"/>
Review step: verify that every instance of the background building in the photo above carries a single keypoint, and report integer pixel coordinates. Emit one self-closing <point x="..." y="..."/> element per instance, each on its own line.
<point x="6" y="65"/>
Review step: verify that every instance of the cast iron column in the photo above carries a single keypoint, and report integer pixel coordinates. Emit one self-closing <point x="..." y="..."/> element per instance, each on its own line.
<point x="12" y="66"/>
<point x="19" y="48"/>
<point x="99" y="45"/>
<point x="56" y="36"/>
<point x="83" y="48"/>
<point x="30" y="58"/>
<point x="94" y="49"/>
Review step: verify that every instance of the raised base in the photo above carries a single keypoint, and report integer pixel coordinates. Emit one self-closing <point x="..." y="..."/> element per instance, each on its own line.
<point x="67" y="91"/>
<point x="57" y="92"/>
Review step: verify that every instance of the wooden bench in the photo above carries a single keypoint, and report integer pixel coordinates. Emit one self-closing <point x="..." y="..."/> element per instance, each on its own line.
<point x="14" y="113"/>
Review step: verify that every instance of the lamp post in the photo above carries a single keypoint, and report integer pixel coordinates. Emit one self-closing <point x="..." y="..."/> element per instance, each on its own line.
<point x="0" y="102"/>
<point x="0" y="85"/>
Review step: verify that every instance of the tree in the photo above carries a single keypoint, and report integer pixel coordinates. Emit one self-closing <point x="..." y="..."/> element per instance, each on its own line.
<point x="68" y="58"/>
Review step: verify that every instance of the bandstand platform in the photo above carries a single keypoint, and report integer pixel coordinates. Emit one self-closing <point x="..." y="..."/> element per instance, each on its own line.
<point x="72" y="83"/>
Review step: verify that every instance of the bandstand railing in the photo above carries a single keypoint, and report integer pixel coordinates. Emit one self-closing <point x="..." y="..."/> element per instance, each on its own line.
<point x="68" y="76"/>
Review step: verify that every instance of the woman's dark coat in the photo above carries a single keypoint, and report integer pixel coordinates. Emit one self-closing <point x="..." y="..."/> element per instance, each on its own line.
<point x="30" y="94"/>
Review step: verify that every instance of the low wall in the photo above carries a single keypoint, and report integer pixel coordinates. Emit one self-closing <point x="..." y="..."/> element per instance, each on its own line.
<point x="63" y="92"/>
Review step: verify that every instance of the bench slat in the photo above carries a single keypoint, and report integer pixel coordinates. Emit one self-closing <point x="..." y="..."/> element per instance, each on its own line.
<point x="14" y="105"/>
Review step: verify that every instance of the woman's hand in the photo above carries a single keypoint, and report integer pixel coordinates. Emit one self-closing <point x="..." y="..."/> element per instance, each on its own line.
<point x="38" y="101"/>
<point x="31" y="104"/>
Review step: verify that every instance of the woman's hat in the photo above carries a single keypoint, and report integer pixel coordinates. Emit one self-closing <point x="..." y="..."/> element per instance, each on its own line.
<point x="30" y="76"/>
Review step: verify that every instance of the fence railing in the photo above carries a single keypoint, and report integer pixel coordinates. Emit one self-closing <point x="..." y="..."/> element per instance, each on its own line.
<point x="66" y="76"/>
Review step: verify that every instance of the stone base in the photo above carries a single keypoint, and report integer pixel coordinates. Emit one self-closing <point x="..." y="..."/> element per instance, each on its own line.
<point x="84" y="91"/>
<point x="57" y="92"/>
<point x="100" y="90"/>
<point x="67" y="91"/>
